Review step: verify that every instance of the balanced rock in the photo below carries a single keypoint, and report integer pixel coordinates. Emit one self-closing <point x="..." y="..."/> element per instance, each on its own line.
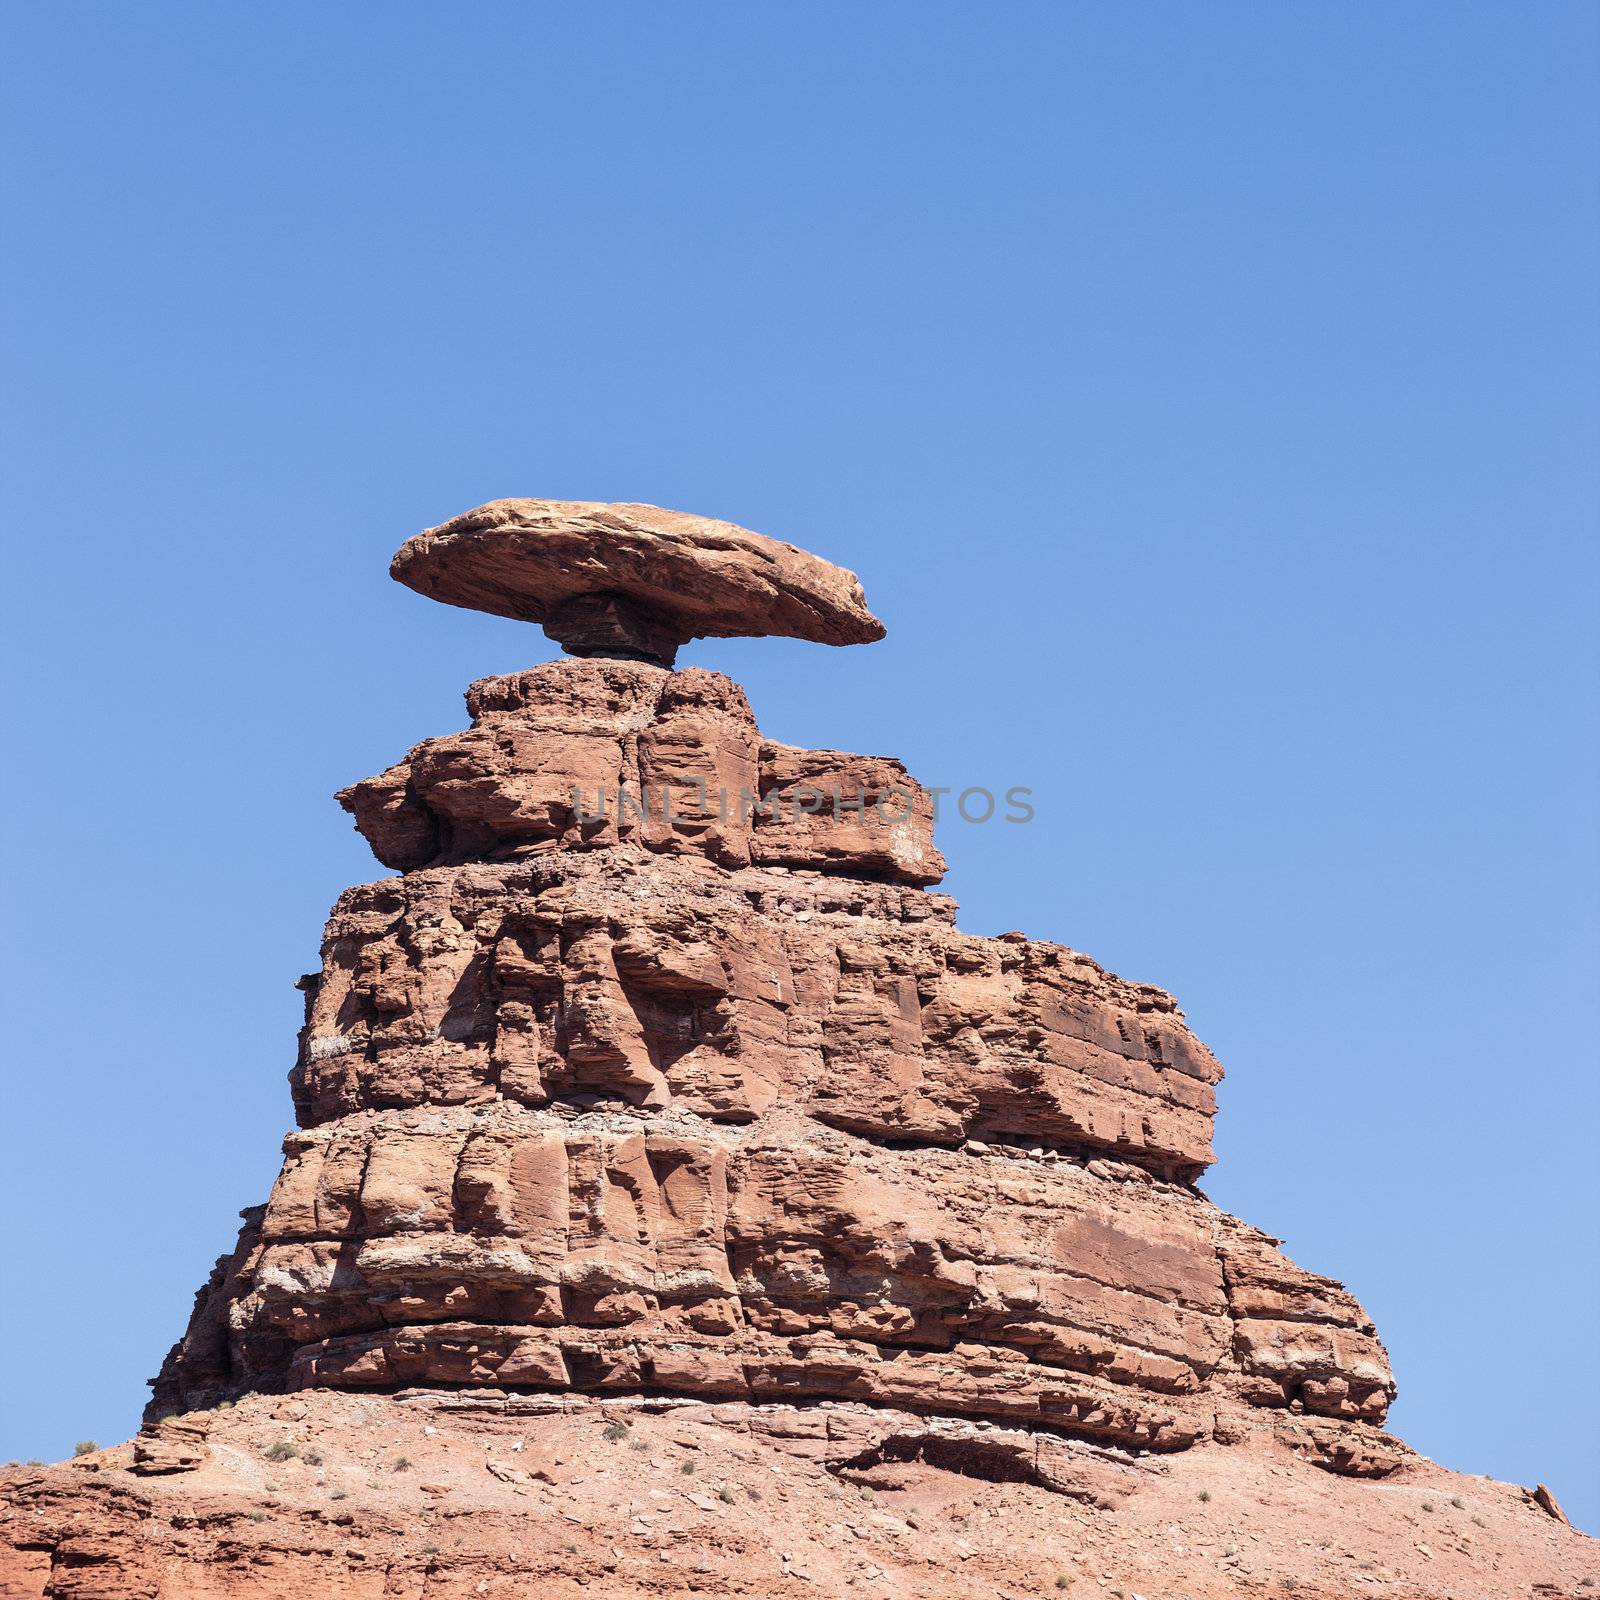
<point x="632" y="581"/>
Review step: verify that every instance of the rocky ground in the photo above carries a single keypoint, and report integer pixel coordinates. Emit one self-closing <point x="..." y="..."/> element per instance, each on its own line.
<point x="430" y="1495"/>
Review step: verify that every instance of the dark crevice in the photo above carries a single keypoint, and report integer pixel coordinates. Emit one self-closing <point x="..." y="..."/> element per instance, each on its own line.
<point x="988" y="1460"/>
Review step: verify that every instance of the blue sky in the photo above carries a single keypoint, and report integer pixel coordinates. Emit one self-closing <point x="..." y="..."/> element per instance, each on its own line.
<point x="1206" y="396"/>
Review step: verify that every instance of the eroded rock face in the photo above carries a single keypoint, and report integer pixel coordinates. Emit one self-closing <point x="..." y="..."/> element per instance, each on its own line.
<point x="597" y="1251"/>
<point x="592" y="977"/>
<point x="691" y="1097"/>
<point x="591" y="755"/>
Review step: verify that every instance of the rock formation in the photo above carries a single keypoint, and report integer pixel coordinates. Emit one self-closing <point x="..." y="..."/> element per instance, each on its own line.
<point x="632" y="581"/>
<point x="658" y="1074"/>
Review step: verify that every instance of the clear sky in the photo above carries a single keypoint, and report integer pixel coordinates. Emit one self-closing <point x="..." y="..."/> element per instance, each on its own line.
<point x="1206" y="396"/>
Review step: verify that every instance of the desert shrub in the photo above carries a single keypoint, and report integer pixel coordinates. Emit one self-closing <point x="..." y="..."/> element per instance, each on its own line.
<point x="85" y="1447"/>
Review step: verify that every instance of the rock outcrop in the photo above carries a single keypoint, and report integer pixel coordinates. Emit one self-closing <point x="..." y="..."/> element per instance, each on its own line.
<point x="659" y="1075"/>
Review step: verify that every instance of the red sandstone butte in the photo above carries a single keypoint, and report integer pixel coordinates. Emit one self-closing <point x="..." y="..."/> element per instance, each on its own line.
<point x="680" y="1203"/>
